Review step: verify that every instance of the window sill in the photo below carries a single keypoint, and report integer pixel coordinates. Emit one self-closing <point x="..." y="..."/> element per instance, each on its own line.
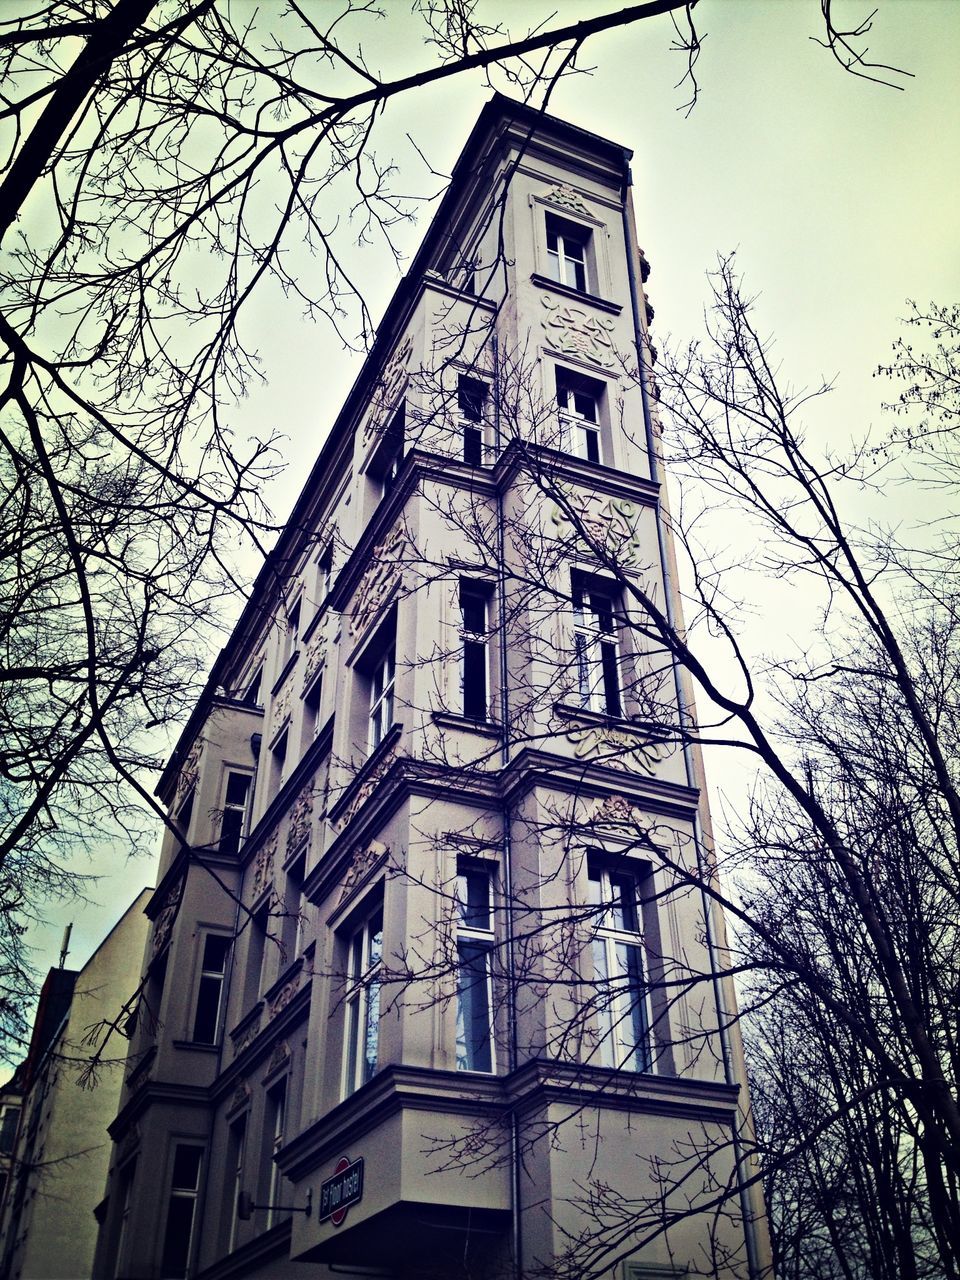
<point x="592" y="299"/>
<point x="646" y="728"/>
<point x="196" y="1046"/>
<point x="449" y="720"/>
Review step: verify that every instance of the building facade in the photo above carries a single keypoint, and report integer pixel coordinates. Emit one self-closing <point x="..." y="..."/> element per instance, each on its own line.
<point x="432" y="988"/>
<point x="61" y="1152"/>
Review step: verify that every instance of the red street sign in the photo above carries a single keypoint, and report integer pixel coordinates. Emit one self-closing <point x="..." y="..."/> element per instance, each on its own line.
<point x="338" y="1193"/>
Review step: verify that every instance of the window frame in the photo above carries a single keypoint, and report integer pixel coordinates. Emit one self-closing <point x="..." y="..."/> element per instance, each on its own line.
<point x="476" y="642"/>
<point x="237" y="1135"/>
<point x="176" y="1194"/>
<point x="625" y="1017"/>
<point x="383" y="681"/>
<point x="581" y="435"/>
<point x="472" y="418"/>
<point x="597" y="647"/>
<point x="277" y="1103"/>
<point x="361" y="1003"/>
<point x="229" y="837"/>
<point x="570" y="236"/>
<point x="479" y="938"/>
<point x="207" y="978"/>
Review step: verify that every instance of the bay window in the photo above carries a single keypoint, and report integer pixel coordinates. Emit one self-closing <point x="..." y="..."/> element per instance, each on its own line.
<point x="579" y="403"/>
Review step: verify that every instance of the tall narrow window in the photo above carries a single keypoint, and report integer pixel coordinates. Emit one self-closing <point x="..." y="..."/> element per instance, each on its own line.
<point x="311" y="709"/>
<point x="596" y="642"/>
<point x="278" y="762"/>
<point x="471" y="398"/>
<point x="474" y="608"/>
<point x="381" y="696"/>
<point x="292" y="632"/>
<point x="325" y="572"/>
<point x="123" y="1226"/>
<point x="293" y="919"/>
<point x="206" y="1022"/>
<point x="391" y="452"/>
<point x="276" y="1120"/>
<point x="474" y="947"/>
<point x="234" y="811"/>
<point x="181" y="1211"/>
<point x="237" y="1153"/>
<point x="567" y="246"/>
<point x="185" y="812"/>
<point x="364" y="967"/>
<point x="253" y="697"/>
<point x="578" y="401"/>
<point x="256" y="928"/>
<point x="624" y="1023"/>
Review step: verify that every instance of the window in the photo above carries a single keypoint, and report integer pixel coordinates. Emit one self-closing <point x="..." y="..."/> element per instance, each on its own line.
<point x="390" y="454"/>
<point x="579" y="401"/>
<point x="364" y="966"/>
<point x="185" y="812"/>
<point x="8" y="1129"/>
<point x="293" y="920"/>
<point x="206" y="1022"/>
<point x="567" y="252"/>
<point x="474" y="946"/>
<point x="123" y="1226"/>
<point x="381" y="696"/>
<point x="292" y="632"/>
<point x="278" y="760"/>
<point x="252" y="697"/>
<point x="234" y="811"/>
<point x="253" y="968"/>
<point x="181" y="1211"/>
<point x="235" y="1158"/>
<point x="623" y="1018"/>
<point x="471" y="398"/>
<point x="324" y="572"/>
<point x="273" y="1141"/>
<point x="596" y="643"/>
<point x="474" y="606"/>
<point x="311" y="710"/>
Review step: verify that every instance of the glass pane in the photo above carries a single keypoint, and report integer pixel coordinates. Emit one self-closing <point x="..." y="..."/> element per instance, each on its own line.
<point x="353" y="1039"/>
<point x="604" y="1003"/>
<point x="473" y="446"/>
<point x="186" y="1168"/>
<point x="585" y="406"/>
<point x="371" y="1031"/>
<point x="237" y="786"/>
<point x="208" y="1009"/>
<point x="611" y="679"/>
<point x="473" y="1010"/>
<point x="176" y="1244"/>
<point x="215" y="950"/>
<point x="473" y="604"/>
<point x="473" y="894"/>
<point x="475" y="679"/>
<point x="375" y="931"/>
<point x="633" y="1029"/>
<point x="624" y="914"/>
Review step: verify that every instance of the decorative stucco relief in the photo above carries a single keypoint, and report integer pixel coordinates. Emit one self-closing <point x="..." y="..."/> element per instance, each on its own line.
<point x="241" y="1096"/>
<point x="379" y="580"/>
<point x="362" y="862"/>
<point x="316" y="655"/>
<point x="163" y="924"/>
<point x="387" y="388"/>
<point x="613" y="529"/>
<point x="246" y="1036"/>
<point x="567" y="198"/>
<point x="574" y="331"/>
<point x="301" y="816"/>
<point x="190" y="773"/>
<point x="280" y="710"/>
<point x="619" y="748"/>
<point x="279" y="1058"/>
<point x="285" y="994"/>
<point x="263" y="867"/>
<point x="369" y="786"/>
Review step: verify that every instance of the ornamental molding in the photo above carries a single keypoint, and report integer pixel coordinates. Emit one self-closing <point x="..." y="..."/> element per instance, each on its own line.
<point x="315" y="657"/>
<point x="613" y="529"/>
<point x="280" y="710"/>
<point x="301" y="815"/>
<point x="241" y="1097"/>
<point x="380" y="579"/>
<point x="163" y="925"/>
<point x="285" y="995"/>
<point x="387" y="389"/>
<point x="363" y="861"/>
<point x="567" y="198"/>
<point x="279" y="1058"/>
<point x="190" y="773"/>
<point x="368" y="788"/>
<point x="620" y="748"/>
<point x="573" y="331"/>
<point x="263" y="867"/>
<point x="246" y="1036"/>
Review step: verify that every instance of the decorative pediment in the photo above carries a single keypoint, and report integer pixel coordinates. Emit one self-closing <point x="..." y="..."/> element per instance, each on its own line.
<point x="388" y="388"/>
<point x="370" y="784"/>
<point x="613" y="529"/>
<point x="362" y="862"/>
<point x="190" y="773"/>
<point x="380" y="579"/>
<point x="279" y="1058"/>
<point x="163" y="924"/>
<point x="240" y="1099"/>
<point x="567" y="198"/>
<point x="263" y="867"/>
<point x="285" y="994"/>
<point x="301" y="816"/>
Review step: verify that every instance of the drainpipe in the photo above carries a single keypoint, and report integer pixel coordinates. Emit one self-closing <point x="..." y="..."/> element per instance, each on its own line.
<point x="685" y="719"/>
<point x="504" y="699"/>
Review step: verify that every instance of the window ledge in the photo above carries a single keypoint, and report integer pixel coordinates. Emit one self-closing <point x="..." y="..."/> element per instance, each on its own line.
<point x="449" y="720"/>
<point x="645" y="728"/>
<point x="602" y="304"/>
<point x="196" y="1046"/>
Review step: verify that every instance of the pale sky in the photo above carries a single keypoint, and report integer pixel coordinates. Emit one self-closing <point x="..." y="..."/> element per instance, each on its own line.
<point x="839" y="196"/>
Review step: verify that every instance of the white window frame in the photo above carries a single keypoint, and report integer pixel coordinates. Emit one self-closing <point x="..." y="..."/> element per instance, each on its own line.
<point x="210" y="975"/>
<point x="238" y="1134"/>
<point x="477" y="935"/>
<point x="580" y="424"/>
<point x="382" y="691"/>
<point x="191" y="1194"/>
<point x="572" y="252"/>
<point x="361" y="1024"/>
<point x="597" y="656"/>
<point x="481" y="591"/>
<point x="623" y="1001"/>
<point x="235" y="807"/>
<point x="278" y="1109"/>
<point x="291" y="632"/>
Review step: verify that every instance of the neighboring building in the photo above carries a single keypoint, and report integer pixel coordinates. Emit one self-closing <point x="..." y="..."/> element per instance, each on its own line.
<point x="61" y="1155"/>
<point x="428" y="990"/>
<point x="11" y="1102"/>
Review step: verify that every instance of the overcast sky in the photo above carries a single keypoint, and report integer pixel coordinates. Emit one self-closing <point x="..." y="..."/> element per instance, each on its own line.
<point x="839" y="196"/>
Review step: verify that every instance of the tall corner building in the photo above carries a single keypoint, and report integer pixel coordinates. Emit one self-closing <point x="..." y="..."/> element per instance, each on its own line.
<point x="433" y="988"/>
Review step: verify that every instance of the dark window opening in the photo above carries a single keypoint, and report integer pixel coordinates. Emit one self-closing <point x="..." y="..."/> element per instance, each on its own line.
<point x="181" y="1212"/>
<point x="206" y="1023"/>
<point x="252" y="696"/>
<point x="567" y="249"/>
<point x="474" y="607"/>
<point x="578" y="402"/>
